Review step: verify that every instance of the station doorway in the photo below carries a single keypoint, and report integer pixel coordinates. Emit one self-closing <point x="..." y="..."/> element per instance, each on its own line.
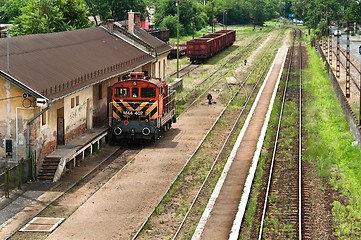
<point x="60" y="126"/>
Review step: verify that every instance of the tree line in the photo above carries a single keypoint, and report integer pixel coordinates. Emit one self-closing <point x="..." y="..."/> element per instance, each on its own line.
<point x="42" y="16"/>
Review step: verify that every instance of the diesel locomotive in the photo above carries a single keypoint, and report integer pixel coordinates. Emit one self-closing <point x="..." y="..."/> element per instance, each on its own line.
<point x="142" y="109"/>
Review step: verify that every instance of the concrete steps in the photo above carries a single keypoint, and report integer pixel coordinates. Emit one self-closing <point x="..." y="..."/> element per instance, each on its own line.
<point x="48" y="169"/>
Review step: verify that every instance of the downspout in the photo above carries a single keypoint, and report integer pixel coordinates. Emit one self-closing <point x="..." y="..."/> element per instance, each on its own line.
<point x="30" y="121"/>
<point x="155" y="62"/>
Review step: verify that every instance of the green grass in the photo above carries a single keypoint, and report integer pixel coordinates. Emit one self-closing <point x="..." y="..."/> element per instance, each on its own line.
<point x="329" y="144"/>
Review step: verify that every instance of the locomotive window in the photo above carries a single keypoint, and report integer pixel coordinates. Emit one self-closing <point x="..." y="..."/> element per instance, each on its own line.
<point x="148" y="92"/>
<point x="135" y="92"/>
<point x="121" y="92"/>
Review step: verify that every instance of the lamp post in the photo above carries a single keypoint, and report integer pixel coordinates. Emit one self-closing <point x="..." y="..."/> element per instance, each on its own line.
<point x="177" y="4"/>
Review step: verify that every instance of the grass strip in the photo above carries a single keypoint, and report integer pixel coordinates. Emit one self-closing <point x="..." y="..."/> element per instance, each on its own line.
<point x="330" y="146"/>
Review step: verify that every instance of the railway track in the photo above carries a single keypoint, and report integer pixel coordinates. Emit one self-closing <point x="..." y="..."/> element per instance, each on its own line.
<point x="282" y="209"/>
<point x="109" y="164"/>
<point x="186" y="70"/>
<point x="216" y="76"/>
<point x="188" y="185"/>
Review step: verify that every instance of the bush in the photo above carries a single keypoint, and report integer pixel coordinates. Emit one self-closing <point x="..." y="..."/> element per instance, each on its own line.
<point x="170" y="22"/>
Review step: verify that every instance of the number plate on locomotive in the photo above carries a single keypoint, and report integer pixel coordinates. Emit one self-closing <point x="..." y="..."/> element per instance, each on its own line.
<point x="131" y="113"/>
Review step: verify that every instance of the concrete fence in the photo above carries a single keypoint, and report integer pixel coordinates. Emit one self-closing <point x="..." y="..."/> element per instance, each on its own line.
<point x="354" y="124"/>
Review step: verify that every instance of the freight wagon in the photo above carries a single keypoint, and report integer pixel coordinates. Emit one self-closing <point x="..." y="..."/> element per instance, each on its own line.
<point x="200" y="49"/>
<point x="182" y="51"/>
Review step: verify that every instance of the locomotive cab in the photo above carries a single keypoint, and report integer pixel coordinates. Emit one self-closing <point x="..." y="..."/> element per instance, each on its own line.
<point x="142" y="108"/>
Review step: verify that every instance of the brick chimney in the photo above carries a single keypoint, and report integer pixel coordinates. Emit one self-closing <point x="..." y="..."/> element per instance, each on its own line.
<point x="137" y="24"/>
<point x="110" y="24"/>
<point x="133" y="21"/>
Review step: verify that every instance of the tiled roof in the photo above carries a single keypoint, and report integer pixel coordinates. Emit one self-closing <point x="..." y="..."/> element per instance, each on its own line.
<point x="57" y="64"/>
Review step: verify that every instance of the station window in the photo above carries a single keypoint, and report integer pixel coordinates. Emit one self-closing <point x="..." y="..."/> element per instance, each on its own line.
<point x="77" y="100"/>
<point x="148" y="92"/>
<point x="100" y="91"/>
<point x="121" y="92"/>
<point x="43" y="119"/>
<point x="72" y="102"/>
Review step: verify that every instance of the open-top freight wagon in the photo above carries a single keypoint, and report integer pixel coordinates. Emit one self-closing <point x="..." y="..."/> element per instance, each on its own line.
<point x="200" y="49"/>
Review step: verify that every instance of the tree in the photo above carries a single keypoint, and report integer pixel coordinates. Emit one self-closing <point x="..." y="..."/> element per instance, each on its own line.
<point x="170" y="22"/>
<point x="257" y="12"/>
<point x="115" y="9"/>
<point x="44" y="16"/>
<point x="10" y="9"/>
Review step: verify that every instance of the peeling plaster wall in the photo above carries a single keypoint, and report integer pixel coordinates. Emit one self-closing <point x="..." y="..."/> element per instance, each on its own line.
<point x="14" y="114"/>
<point x="75" y="118"/>
<point x="46" y="140"/>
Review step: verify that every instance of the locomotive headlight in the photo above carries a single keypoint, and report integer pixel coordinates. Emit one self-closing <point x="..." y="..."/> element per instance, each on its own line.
<point x="118" y="131"/>
<point x="146" y="131"/>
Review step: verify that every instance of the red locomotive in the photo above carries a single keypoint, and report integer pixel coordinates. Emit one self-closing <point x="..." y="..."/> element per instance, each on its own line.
<point x="200" y="49"/>
<point x="142" y="108"/>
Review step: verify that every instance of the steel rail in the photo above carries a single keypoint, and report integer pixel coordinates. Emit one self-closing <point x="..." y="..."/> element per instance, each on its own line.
<point x="185" y="67"/>
<point x="275" y="147"/>
<point x="230" y="133"/>
<point x="217" y="71"/>
<point x="198" y="65"/>
<point x="299" y="145"/>
<point x="248" y="97"/>
<point x="300" y="148"/>
<point x="241" y="52"/>
<point x="136" y="235"/>
<point x="73" y="185"/>
<point x="225" y="142"/>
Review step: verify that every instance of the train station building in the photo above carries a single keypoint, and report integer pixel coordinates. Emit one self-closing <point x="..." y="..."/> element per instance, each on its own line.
<point x="55" y="86"/>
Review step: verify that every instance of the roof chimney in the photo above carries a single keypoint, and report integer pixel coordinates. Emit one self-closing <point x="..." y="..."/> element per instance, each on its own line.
<point x="110" y="24"/>
<point x="137" y="24"/>
<point x="131" y="21"/>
